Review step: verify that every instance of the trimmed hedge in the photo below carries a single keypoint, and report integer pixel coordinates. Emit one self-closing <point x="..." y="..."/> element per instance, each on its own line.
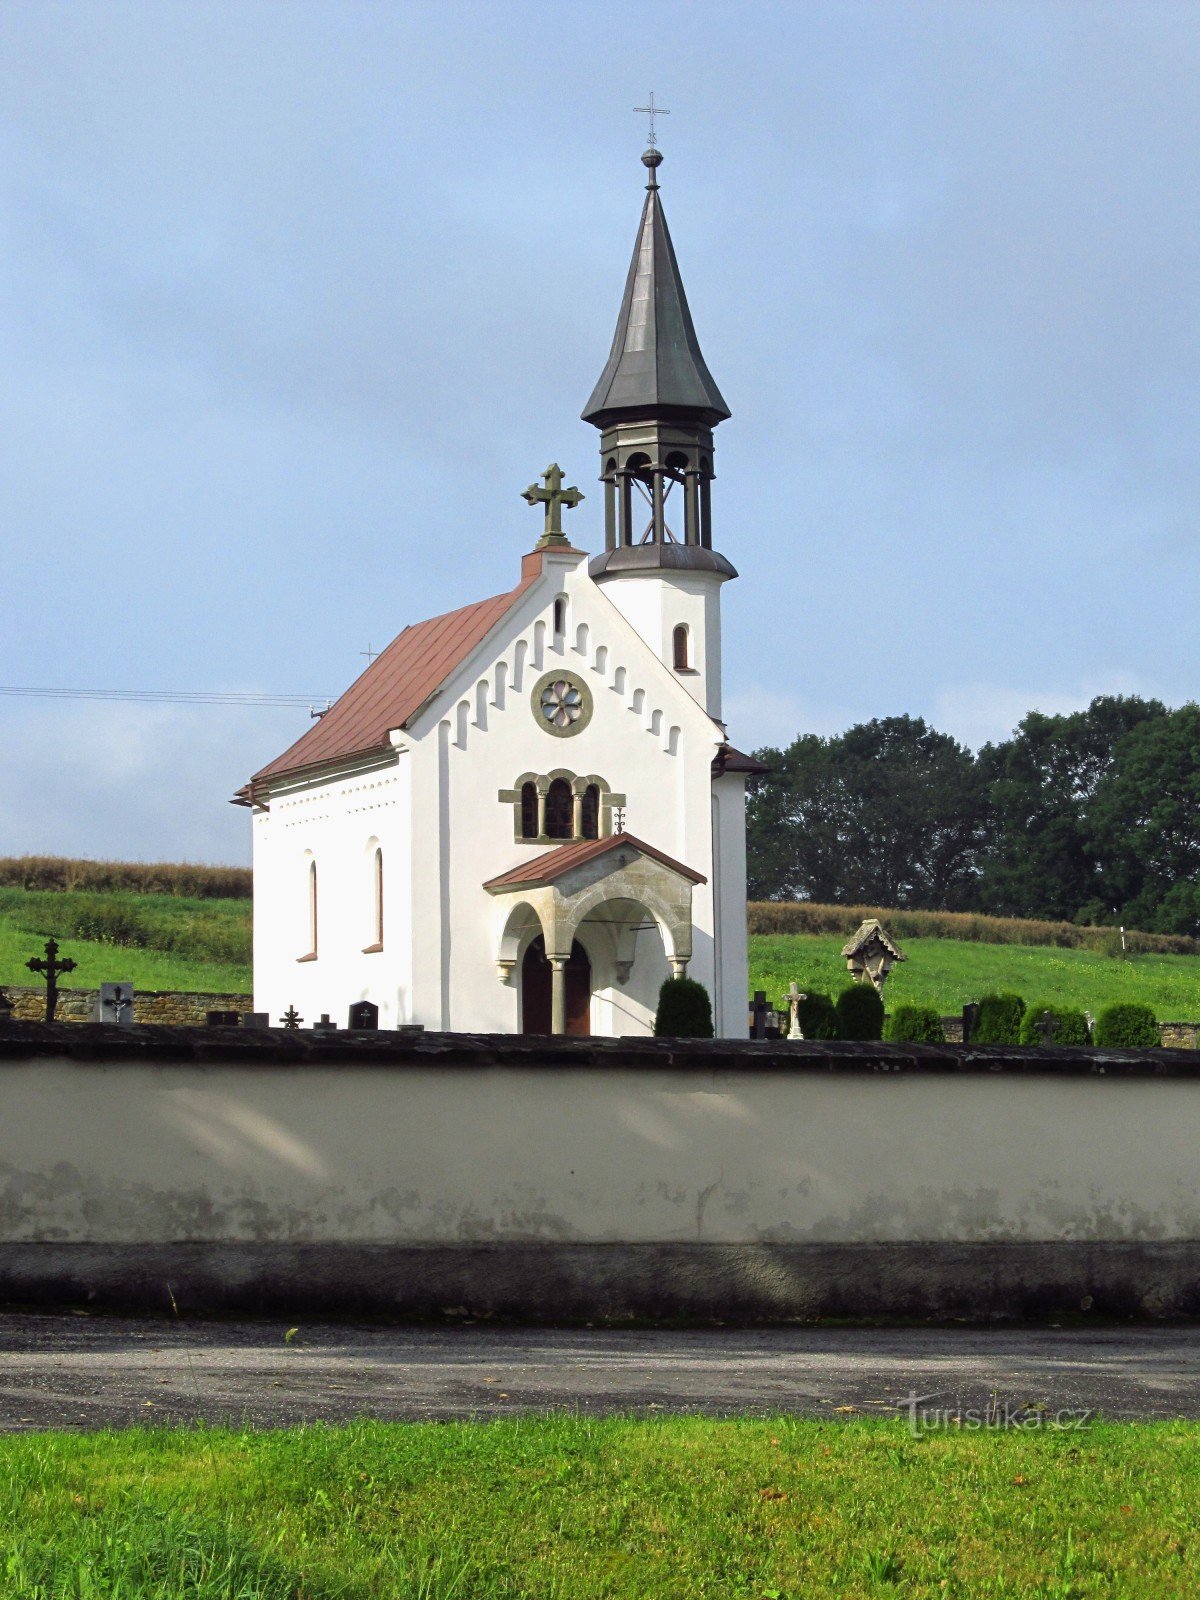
<point x="860" y="1012"/>
<point x="914" y="1025"/>
<point x="684" y="1010"/>
<point x="999" y="1019"/>
<point x="817" y="1016"/>
<point x="1071" y="1026"/>
<point x="1127" y="1026"/>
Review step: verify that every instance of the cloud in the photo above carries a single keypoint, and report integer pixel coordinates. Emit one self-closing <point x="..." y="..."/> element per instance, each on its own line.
<point x="133" y="782"/>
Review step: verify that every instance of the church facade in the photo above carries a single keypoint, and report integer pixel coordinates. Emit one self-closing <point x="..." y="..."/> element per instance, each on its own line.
<point x="525" y="814"/>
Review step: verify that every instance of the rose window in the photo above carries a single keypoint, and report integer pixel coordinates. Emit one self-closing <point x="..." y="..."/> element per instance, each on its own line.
<point x="562" y="703"/>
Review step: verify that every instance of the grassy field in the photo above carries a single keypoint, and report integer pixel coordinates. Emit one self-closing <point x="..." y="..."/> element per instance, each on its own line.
<point x="568" y="1508"/>
<point x="946" y="973"/>
<point x="155" y="941"/>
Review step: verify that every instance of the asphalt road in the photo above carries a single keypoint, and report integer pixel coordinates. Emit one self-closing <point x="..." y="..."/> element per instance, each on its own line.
<point x="77" y="1371"/>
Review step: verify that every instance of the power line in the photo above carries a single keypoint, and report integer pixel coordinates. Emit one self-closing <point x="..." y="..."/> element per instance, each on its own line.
<point x="177" y="697"/>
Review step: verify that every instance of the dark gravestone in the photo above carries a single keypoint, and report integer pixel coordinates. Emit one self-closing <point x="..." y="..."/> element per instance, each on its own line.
<point x="6" y="1007"/>
<point x="222" y="1019"/>
<point x="970" y="1018"/>
<point x="758" y="1015"/>
<point x="255" y="1019"/>
<point x="364" y="1014"/>
<point x="324" y="1025"/>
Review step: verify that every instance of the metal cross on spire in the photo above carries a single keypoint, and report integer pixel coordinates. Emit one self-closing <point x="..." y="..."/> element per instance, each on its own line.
<point x="554" y="497"/>
<point x="652" y="111"/>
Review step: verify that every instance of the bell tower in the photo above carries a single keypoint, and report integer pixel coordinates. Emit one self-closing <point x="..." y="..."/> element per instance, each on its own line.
<point x="656" y="406"/>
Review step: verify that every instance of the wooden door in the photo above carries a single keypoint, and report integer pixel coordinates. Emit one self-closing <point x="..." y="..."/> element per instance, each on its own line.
<point x="536" y="995"/>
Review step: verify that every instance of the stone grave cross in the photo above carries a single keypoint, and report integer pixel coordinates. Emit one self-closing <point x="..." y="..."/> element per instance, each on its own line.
<point x="554" y="497"/>
<point x="52" y="969"/>
<point x="1047" y="1027"/>
<point x="794" y="997"/>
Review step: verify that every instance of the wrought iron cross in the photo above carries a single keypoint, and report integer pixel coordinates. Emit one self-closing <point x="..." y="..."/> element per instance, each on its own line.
<point x="369" y="653"/>
<point x="554" y="497"/>
<point x="651" y="111"/>
<point x="52" y="969"/>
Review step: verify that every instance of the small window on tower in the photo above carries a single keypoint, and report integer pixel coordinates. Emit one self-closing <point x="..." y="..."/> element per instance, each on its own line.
<point x="682" y="664"/>
<point x="560" y="616"/>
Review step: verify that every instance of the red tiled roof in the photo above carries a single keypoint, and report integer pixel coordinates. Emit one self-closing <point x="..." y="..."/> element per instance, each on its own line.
<point x="546" y="868"/>
<point x="396" y="684"/>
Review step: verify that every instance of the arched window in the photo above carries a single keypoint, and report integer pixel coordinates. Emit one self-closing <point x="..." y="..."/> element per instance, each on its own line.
<point x="590" y="822"/>
<point x="312" y="908"/>
<point x="529" y="827"/>
<point x="560" y="616"/>
<point x="559" y="809"/>
<point x="680" y="646"/>
<point x="378" y="891"/>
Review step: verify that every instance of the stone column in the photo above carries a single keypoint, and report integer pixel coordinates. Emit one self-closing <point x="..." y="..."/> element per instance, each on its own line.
<point x="679" y="967"/>
<point x="541" y="810"/>
<point x="558" y="994"/>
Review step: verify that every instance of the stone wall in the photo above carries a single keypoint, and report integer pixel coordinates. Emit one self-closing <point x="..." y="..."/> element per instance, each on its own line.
<point x="602" y="1179"/>
<point x="165" y="1006"/>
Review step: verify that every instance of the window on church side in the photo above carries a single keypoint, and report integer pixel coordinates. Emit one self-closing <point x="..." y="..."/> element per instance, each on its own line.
<point x="560" y="617"/>
<point x="591" y="812"/>
<point x="312" y="908"/>
<point x="560" y="806"/>
<point x="680" y="643"/>
<point x="529" y="810"/>
<point x="378" y="887"/>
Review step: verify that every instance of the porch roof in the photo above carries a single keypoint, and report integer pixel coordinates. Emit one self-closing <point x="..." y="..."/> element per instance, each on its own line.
<point x="553" y="864"/>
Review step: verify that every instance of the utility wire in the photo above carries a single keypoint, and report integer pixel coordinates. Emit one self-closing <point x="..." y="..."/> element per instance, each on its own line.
<point x="178" y="697"/>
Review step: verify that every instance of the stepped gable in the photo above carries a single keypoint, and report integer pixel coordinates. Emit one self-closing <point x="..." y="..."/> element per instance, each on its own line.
<point x="395" y="686"/>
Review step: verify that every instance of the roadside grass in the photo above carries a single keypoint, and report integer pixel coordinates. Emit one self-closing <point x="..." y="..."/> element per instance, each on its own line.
<point x="161" y="941"/>
<point x="568" y="1508"/>
<point x="946" y="973"/>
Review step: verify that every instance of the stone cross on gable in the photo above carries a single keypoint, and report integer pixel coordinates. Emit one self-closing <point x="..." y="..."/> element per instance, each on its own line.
<point x="794" y="997"/>
<point x="554" y="497"/>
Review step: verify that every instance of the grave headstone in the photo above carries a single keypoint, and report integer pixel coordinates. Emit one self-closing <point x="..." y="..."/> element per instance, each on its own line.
<point x="1047" y="1027"/>
<point x="291" y="1019"/>
<point x="222" y="1019"/>
<point x="256" y="1019"/>
<point x="970" y="1018"/>
<point x="794" y="997"/>
<point x="114" y="1004"/>
<point x="325" y="1025"/>
<point x="758" y="1015"/>
<point x="364" y="1014"/>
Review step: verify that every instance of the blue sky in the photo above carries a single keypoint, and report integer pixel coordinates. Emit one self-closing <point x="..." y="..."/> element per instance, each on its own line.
<point x="296" y="300"/>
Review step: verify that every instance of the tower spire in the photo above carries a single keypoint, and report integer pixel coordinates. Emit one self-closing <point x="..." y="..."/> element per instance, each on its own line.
<point x="656" y="404"/>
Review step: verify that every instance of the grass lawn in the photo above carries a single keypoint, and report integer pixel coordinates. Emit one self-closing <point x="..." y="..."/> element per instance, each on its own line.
<point x="571" y="1508"/>
<point x="159" y="941"/>
<point x="946" y="973"/>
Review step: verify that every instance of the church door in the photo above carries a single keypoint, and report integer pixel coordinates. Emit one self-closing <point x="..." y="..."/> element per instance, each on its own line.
<point x="536" y="975"/>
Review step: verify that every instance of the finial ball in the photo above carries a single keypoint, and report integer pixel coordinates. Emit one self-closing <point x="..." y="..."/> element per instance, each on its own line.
<point x="652" y="158"/>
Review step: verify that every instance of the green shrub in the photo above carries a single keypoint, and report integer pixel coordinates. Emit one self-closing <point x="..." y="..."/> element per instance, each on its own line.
<point x="999" y="1019"/>
<point x="817" y="1017"/>
<point x="1127" y="1026"/>
<point x="684" y="1010"/>
<point x="860" y="1012"/>
<point x="1071" y="1026"/>
<point x="914" y="1025"/>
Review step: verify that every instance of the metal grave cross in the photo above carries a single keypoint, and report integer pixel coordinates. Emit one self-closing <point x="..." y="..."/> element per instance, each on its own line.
<point x="651" y="111"/>
<point x="794" y="997"/>
<point x="554" y="497"/>
<point x="52" y="969"/>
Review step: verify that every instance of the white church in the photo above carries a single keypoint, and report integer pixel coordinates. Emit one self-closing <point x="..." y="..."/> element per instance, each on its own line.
<point x="525" y="814"/>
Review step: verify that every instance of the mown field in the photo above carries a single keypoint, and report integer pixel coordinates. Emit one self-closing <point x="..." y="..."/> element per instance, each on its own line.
<point x="946" y="973"/>
<point x="571" y="1508"/>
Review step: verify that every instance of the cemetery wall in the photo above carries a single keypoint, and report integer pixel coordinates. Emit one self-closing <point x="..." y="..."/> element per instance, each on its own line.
<point x="593" y="1179"/>
<point x="170" y="1008"/>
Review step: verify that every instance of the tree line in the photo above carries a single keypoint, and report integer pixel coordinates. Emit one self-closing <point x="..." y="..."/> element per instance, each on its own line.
<point x="1090" y="817"/>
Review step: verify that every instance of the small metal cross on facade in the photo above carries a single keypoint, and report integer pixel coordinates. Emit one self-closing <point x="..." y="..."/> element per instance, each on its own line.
<point x="52" y="969"/>
<point x="651" y="111"/>
<point x="554" y="497"/>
